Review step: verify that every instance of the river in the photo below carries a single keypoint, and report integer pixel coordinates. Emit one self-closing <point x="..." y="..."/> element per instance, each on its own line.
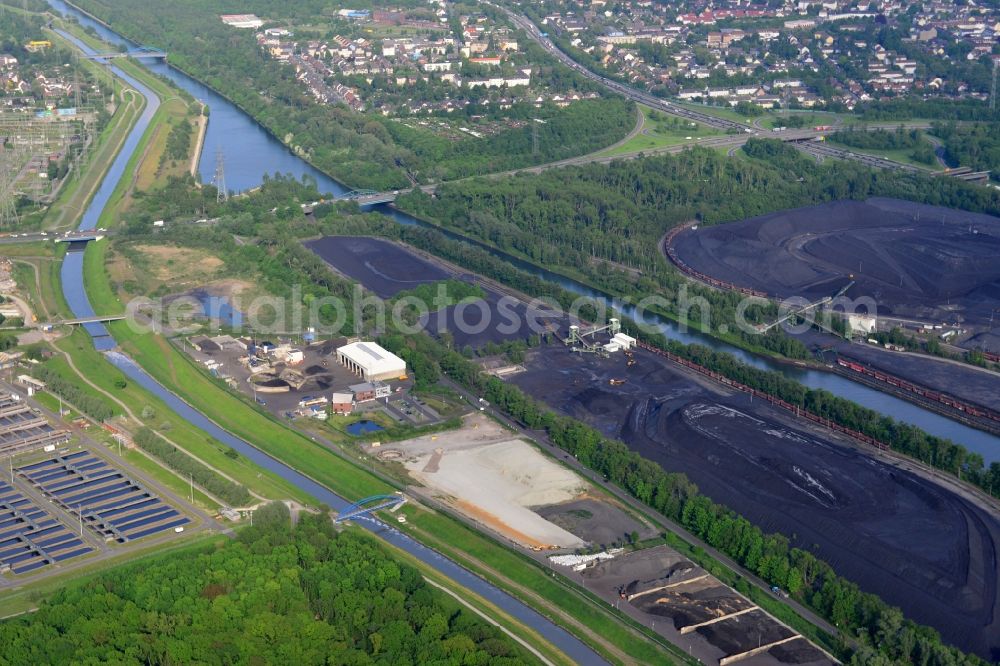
<point x="79" y="303"/>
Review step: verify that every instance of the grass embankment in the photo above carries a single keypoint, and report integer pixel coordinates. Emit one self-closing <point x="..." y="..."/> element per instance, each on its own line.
<point x="901" y="155"/>
<point x="77" y="193"/>
<point x="661" y="131"/>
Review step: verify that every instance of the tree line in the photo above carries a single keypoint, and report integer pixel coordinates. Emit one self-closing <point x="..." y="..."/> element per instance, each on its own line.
<point x="232" y="493"/>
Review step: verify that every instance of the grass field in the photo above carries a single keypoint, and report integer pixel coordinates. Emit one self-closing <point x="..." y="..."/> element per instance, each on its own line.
<point x="660" y="131"/>
<point x="902" y="155"/>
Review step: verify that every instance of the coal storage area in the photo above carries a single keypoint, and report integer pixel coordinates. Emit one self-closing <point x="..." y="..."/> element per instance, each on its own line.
<point x="916" y="261"/>
<point x="914" y="543"/>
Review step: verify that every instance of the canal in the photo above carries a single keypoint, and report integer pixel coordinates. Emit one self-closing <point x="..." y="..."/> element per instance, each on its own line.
<point x="79" y="303"/>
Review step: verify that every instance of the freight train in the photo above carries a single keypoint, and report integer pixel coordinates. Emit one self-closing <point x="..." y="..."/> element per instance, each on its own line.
<point x="668" y="246"/>
<point x="917" y="389"/>
<point x="778" y="402"/>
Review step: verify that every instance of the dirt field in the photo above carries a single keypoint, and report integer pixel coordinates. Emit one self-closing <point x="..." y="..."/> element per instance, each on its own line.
<point x="380" y="266"/>
<point x="151" y="268"/>
<point x="508" y="486"/>
<point x="386" y="269"/>
<point x="923" y="262"/>
<point x="915" y="544"/>
<point x="673" y="595"/>
<point x="593" y="520"/>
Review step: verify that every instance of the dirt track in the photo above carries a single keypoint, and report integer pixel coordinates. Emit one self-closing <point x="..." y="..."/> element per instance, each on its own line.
<point x="915" y="261"/>
<point x="896" y="534"/>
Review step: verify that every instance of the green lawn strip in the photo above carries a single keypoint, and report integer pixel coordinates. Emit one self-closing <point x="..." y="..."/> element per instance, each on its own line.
<point x="49" y="281"/>
<point x="652" y="136"/>
<point x="901" y="155"/>
<point x="191" y="439"/>
<point x="28" y="597"/>
<point x="443" y="533"/>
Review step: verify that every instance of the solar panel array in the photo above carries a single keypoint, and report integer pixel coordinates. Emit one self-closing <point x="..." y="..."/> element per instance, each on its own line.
<point x="29" y="537"/>
<point x="110" y="503"/>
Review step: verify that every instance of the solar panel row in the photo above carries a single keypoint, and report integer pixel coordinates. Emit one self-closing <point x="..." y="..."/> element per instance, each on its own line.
<point x="109" y="502"/>
<point x="29" y="537"/>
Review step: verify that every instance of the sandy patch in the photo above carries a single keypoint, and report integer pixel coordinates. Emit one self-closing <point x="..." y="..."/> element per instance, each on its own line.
<point x="497" y="483"/>
<point x="495" y="480"/>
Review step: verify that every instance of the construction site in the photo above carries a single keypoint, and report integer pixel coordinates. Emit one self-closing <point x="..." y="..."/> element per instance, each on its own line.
<point x="692" y="608"/>
<point x="921" y="546"/>
<point x="509" y="488"/>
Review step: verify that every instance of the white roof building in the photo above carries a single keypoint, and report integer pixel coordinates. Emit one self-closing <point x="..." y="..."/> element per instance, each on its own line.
<point x="370" y="361"/>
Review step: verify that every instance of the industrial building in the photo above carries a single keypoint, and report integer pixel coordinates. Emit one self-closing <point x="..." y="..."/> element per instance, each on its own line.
<point x="23" y="429"/>
<point x="370" y="361"/>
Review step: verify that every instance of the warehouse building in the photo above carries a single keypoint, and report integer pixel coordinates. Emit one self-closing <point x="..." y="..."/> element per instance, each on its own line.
<point x="370" y="361"/>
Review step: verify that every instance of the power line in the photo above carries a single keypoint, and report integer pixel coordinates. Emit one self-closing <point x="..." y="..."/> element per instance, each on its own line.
<point x="221" y="193"/>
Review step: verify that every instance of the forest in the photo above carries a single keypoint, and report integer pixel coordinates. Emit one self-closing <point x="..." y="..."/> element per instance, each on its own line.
<point x="362" y="150"/>
<point x="275" y="595"/>
<point x="976" y="145"/>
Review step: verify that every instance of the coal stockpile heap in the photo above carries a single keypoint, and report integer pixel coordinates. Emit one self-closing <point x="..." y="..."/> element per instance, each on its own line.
<point x="919" y="261"/>
<point x="381" y="266"/>
<point x="917" y="545"/>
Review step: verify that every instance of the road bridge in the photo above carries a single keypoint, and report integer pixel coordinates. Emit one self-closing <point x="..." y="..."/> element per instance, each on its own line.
<point x="80" y="236"/>
<point x="140" y="52"/>
<point x="96" y="319"/>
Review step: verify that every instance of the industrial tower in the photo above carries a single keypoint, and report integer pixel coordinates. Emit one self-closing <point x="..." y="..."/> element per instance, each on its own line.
<point x="221" y="193"/>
